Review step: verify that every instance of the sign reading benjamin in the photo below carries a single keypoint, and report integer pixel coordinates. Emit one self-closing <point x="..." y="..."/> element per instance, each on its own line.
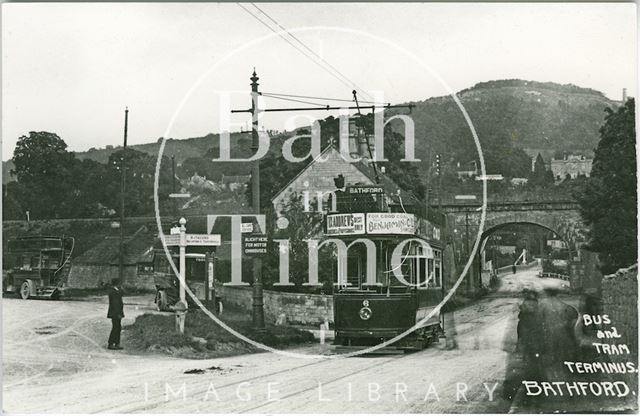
<point x="344" y="224"/>
<point x="390" y="223"/>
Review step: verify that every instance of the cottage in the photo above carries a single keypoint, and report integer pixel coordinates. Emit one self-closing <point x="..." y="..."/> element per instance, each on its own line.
<point x="98" y="265"/>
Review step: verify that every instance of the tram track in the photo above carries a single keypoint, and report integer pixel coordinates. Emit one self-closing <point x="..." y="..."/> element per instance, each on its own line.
<point x="157" y="401"/>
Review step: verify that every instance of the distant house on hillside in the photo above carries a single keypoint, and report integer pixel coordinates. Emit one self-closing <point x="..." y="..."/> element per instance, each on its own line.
<point x="98" y="265"/>
<point x="571" y="166"/>
<point x="467" y="170"/>
<point x="235" y="182"/>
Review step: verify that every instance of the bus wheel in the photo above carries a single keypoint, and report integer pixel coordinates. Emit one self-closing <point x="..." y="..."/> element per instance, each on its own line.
<point x="25" y="290"/>
<point x="161" y="300"/>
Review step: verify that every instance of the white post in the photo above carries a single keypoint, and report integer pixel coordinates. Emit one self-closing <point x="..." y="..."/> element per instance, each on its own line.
<point x="183" y="266"/>
<point x="182" y="308"/>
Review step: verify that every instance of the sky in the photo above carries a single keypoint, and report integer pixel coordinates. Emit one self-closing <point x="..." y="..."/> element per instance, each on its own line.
<point x="72" y="68"/>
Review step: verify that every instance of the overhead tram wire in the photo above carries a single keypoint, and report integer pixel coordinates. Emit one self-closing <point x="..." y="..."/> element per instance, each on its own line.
<point x="273" y="94"/>
<point x="352" y="83"/>
<point x="320" y="105"/>
<point x="336" y="74"/>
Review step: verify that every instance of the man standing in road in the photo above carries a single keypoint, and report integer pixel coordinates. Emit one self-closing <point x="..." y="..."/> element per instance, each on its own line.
<point x="115" y="313"/>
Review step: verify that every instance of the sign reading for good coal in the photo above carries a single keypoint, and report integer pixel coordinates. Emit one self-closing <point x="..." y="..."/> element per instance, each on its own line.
<point x="255" y="244"/>
<point x="390" y="223"/>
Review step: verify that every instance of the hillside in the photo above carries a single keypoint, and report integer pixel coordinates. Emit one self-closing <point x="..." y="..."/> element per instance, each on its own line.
<point x="507" y="115"/>
<point x="527" y="115"/>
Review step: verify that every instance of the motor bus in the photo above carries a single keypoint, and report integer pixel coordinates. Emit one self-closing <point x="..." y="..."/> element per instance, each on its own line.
<point x="37" y="267"/>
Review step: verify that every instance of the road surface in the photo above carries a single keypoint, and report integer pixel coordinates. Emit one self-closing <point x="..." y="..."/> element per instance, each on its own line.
<point x="55" y="360"/>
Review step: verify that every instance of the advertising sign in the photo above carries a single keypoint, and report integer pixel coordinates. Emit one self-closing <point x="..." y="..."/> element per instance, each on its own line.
<point x="390" y="223"/>
<point x="345" y="224"/>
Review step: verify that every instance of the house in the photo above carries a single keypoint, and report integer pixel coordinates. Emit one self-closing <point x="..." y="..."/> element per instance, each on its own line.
<point x="97" y="266"/>
<point x="235" y="182"/>
<point x="467" y="170"/>
<point x="571" y="166"/>
<point x="317" y="180"/>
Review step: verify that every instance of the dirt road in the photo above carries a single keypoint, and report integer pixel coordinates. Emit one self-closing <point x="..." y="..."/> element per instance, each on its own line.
<point x="55" y="361"/>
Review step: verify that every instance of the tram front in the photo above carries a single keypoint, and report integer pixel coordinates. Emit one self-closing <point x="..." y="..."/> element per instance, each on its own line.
<point x="389" y="278"/>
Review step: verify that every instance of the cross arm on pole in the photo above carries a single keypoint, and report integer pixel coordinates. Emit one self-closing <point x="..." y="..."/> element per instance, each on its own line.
<point x="327" y="108"/>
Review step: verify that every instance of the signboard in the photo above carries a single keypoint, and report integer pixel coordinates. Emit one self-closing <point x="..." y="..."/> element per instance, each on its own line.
<point x="364" y="189"/>
<point x="172" y="239"/>
<point x="345" y="224"/>
<point x="255" y="244"/>
<point x="203" y="239"/>
<point x="193" y="239"/>
<point x="390" y="223"/>
<point x="246" y="227"/>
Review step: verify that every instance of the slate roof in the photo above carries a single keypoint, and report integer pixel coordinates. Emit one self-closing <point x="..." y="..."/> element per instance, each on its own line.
<point x="108" y="250"/>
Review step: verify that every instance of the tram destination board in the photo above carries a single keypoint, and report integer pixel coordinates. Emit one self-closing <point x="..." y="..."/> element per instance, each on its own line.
<point x="255" y="244"/>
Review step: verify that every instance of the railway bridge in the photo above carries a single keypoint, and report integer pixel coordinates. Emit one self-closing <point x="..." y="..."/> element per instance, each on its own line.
<point x="561" y="217"/>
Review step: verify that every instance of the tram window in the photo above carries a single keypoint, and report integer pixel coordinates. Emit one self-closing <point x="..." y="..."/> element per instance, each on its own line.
<point x="437" y="275"/>
<point x="422" y="272"/>
<point x="353" y="271"/>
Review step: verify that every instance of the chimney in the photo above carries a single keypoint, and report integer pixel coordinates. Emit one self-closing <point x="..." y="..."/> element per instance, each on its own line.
<point x="624" y="95"/>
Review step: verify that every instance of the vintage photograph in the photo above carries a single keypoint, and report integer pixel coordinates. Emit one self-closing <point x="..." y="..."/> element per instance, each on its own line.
<point x="319" y="208"/>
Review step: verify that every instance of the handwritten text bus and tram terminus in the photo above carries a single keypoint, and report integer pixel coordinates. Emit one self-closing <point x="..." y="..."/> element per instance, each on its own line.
<point x="594" y="388"/>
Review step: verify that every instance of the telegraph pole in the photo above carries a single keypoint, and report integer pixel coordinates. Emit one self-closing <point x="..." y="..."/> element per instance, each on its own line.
<point x="258" y="301"/>
<point x="122" y="194"/>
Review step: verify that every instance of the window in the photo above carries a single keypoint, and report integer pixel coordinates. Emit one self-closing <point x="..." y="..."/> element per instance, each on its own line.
<point x="353" y="271"/>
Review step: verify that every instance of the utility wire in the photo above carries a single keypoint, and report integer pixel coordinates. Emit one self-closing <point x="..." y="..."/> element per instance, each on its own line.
<point x="297" y="101"/>
<point x="340" y="77"/>
<point x="353" y="84"/>
<point x="320" y="98"/>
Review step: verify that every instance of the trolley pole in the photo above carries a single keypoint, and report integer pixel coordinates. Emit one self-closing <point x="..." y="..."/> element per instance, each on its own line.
<point x="258" y="302"/>
<point x="122" y="196"/>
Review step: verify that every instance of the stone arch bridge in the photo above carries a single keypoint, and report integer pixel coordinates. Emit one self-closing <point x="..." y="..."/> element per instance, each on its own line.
<point x="561" y="217"/>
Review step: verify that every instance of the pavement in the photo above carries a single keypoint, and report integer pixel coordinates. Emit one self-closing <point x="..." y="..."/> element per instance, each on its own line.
<point x="55" y="360"/>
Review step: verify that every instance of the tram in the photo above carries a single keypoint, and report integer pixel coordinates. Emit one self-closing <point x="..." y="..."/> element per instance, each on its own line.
<point x="383" y="292"/>
<point x="37" y="267"/>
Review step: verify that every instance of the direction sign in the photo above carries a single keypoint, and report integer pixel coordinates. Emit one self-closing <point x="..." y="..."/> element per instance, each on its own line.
<point x="172" y="239"/>
<point x="203" y="239"/>
<point x="193" y="239"/>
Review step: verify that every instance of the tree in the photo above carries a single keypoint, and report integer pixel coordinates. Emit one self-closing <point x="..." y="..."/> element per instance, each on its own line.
<point x="45" y="167"/>
<point x="608" y="203"/>
<point x="140" y="177"/>
<point x="540" y="175"/>
<point x="301" y="226"/>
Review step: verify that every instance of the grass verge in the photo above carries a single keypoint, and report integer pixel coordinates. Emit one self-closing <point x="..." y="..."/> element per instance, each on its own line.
<point x="203" y="338"/>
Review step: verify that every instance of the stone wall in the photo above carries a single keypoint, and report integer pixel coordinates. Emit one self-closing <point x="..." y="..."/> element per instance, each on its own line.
<point x="620" y="302"/>
<point x="88" y="276"/>
<point x="302" y="309"/>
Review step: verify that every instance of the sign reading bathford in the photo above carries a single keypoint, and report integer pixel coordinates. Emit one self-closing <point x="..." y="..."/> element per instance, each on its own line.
<point x="341" y="224"/>
<point x="255" y="244"/>
<point x="390" y="223"/>
<point x="364" y="189"/>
